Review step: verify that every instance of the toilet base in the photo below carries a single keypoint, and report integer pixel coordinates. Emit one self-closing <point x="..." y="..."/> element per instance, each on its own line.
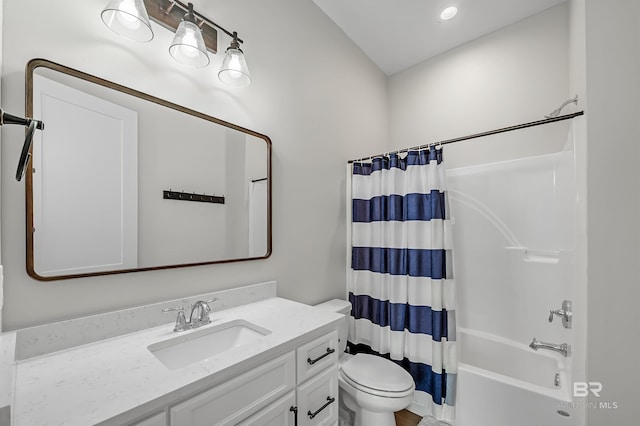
<point x="369" y="418"/>
<point x="364" y="417"/>
<point x="346" y="415"/>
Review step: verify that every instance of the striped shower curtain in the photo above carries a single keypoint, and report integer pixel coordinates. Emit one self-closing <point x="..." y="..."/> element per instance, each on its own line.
<point x="402" y="290"/>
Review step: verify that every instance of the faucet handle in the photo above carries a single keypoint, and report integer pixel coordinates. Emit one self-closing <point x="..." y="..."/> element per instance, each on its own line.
<point x="564" y="313"/>
<point x="181" y="319"/>
<point x="177" y="308"/>
<point x="205" y="304"/>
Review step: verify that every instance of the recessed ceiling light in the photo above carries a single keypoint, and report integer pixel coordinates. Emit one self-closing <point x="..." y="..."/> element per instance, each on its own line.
<point x="448" y="13"/>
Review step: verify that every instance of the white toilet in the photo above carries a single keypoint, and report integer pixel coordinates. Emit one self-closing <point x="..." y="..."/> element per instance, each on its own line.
<point x="371" y="386"/>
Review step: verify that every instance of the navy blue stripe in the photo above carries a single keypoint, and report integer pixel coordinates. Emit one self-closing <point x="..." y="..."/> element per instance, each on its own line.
<point x="400" y="208"/>
<point x="429" y="263"/>
<point x="400" y="316"/>
<point x="413" y="158"/>
<point x="425" y="378"/>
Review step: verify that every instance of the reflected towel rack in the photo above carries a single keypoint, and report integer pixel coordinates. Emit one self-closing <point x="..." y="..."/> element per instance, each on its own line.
<point x="185" y="196"/>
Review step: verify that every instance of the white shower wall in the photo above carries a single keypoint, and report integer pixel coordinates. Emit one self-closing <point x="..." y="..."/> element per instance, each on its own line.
<point x="515" y="259"/>
<point x="514" y="245"/>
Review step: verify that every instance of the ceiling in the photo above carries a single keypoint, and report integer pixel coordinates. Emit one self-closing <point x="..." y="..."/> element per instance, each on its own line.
<point x="397" y="34"/>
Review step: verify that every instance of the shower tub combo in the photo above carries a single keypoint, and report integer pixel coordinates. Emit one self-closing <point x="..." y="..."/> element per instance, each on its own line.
<point x="514" y="242"/>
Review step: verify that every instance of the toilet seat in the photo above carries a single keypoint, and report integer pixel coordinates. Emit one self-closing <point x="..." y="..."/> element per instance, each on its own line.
<point x="376" y="375"/>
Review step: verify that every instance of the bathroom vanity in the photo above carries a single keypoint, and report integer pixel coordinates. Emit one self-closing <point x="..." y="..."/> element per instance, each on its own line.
<point x="259" y="363"/>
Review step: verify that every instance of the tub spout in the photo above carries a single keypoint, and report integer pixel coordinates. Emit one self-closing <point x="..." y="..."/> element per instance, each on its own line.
<point x="562" y="348"/>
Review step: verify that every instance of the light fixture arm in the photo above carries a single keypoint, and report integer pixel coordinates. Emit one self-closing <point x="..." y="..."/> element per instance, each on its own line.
<point x="189" y="9"/>
<point x="234" y="42"/>
<point x="189" y="16"/>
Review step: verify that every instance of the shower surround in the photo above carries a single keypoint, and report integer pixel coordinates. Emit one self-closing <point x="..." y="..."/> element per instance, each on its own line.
<point x="515" y="242"/>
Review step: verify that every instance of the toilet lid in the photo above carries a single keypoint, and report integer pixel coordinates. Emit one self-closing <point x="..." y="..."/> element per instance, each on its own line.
<point x="375" y="372"/>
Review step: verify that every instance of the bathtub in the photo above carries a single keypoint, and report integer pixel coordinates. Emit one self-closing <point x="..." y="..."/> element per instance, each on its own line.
<point x="505" y="383"/>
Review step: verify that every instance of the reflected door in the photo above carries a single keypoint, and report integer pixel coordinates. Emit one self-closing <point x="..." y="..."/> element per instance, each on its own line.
<point x="88" y="218"/>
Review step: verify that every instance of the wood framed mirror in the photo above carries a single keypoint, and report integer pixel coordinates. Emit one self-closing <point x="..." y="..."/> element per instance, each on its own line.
<point x="122" y="181"/>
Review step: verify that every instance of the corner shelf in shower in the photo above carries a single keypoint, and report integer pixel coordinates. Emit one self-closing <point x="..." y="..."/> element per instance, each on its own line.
<point x="538" y="256"/>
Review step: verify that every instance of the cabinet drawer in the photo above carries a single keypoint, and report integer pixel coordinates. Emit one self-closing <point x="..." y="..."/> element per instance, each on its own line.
<point x="317" y="355"/>
<point x="277" y="414"/>
<point x="238" y="398"/>
<point x="318" y="399"/>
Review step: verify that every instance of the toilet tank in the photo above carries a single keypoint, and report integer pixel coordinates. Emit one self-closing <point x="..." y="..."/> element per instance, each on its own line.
<point x="341" y="307"/>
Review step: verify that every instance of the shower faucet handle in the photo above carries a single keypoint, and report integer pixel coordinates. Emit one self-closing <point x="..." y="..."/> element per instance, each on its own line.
<point x="564" y="313"/>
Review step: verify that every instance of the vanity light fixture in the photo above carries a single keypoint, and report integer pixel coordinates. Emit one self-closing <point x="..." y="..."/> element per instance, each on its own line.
<point x="448" y="13"/>
<point x="195" y="34"/>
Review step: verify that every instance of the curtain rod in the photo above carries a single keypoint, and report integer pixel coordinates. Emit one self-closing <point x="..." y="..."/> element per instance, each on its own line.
<point x="479" y="135"/>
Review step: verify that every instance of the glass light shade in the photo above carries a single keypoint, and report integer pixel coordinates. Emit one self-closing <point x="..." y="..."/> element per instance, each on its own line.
<point x="188" y="46"/>
<point x="234" y="70"/>
<point x="129" y="19"/>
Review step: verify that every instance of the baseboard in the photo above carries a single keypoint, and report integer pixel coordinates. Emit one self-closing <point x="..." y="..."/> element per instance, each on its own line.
<point x="417" y="408"/>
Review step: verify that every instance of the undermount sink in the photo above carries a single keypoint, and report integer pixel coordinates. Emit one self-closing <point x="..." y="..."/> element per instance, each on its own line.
<point x="199" y="345"/>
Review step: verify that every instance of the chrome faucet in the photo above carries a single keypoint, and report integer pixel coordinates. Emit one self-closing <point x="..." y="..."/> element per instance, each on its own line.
<point x="564" y="313"/>
<point x="562" y="348"/>
<point x="199" y="315"/>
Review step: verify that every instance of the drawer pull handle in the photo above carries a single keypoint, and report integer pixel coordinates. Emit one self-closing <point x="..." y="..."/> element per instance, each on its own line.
<point x="294" y="410"/>
<point x="326" y="404"/>
<point x="313" y="361"/>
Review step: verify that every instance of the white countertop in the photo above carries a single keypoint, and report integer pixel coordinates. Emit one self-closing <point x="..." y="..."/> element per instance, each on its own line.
<point x="90" y="384"/>
<point x="7" y="348"/>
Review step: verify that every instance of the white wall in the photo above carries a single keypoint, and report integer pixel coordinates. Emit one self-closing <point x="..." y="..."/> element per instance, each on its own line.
<point x="1" y="269"/>
<point x="613" y="177"/>
<point x="514" y="75"/>
<point x="578" y="84"/>
<point x="315" y="94"/>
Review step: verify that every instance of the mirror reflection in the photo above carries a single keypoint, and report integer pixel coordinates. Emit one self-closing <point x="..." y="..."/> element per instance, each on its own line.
<point x="121" y="181"/>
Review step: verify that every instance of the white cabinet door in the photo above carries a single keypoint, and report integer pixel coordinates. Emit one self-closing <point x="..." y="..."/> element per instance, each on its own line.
<point x="279" y="413"/>
<point x="159" y="419"/>
<point x="232" y="401"/>
<point x="318" y="399"/>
